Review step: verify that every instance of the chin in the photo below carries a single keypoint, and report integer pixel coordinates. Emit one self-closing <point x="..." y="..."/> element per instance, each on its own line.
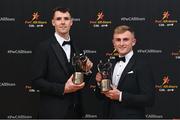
<point x="122" y="53"/>
<point x="62" y="32"/>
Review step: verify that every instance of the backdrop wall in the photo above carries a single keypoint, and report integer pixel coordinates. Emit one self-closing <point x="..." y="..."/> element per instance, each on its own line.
<point x="25" y="23"/>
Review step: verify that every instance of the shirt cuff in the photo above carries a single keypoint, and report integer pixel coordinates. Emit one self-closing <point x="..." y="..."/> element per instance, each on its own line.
<point x="120" y="96"/>
<point x="99" y="84"/>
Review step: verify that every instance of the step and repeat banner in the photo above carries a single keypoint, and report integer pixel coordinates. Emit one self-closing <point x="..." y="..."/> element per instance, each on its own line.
<point x="25" y="23"/>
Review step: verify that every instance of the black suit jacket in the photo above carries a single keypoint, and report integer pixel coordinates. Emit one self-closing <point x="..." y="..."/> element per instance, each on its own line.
<point x="137" y="86"/>
<point x="51" y="70"/>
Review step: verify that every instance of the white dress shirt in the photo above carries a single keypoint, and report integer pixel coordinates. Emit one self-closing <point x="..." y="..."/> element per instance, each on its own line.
<point x="118" y="69"/>
<point x="66" y="48"/>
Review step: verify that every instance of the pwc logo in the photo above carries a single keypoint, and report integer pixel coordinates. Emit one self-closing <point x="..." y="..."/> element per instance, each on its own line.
<point x="112" y="55"/>
<point x="166" y="20"/>
<point x="100" y="21"/>
<point x="176" y="54"/>
<point x="165" y="85"/>
<point x="35" y="21"/>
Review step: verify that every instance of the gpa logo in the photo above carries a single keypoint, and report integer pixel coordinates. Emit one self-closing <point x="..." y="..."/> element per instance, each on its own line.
<point x="28" y="88"/>
<point x="166" y="20"/>
<point x="176" y="54"/>
<point x="165" y="86"/>
<point x="100" y="22"/>
<point x="35" y="21"/>
<point x="113" y="53"/>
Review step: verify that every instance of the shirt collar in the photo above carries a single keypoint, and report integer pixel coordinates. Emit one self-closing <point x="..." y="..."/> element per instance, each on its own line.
<point x="128" y="56"/>
<point x="60" y="39"/>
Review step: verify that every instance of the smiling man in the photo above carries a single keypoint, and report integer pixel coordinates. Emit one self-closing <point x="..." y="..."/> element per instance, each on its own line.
<point x="53" y="71"/>
<point x="132" y="80"/>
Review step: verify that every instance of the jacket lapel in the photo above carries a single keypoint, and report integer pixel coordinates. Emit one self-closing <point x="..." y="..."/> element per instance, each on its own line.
<point x="73" y="50"/>
<point x="61" y="56"/>
<point x="126" y="70"/>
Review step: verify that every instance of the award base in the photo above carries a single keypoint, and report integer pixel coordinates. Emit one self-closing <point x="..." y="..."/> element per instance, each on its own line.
<point x="78" y="78"/>
<point x="105" y="85"/>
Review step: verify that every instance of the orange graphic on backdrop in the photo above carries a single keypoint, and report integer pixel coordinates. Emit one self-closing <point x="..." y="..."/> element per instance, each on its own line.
<point x="165" y="80"/>
<point x="100" y="16"/>
<point x="35" y="16"/>
<point x="165" y="15"/>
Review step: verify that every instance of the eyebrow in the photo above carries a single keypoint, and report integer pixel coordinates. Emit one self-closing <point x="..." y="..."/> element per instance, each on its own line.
<point x="58" y="18"/>
<point x="126" y="38"/>
<point x="66" y="18"/>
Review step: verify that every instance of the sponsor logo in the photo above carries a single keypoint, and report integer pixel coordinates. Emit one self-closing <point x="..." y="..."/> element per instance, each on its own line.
<point x="35" y="21"/>
<point x="113" y="53"/>
<point x="28" y="88"/>
<point x="100" y="21"/>
<point x="165" y="21"/>
<point x="176" y="54"/>
<point x="165" y="86"/>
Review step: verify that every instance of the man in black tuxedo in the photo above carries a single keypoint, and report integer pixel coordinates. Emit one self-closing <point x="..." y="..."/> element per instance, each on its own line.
<point x="132" y="80"/>
<point x="53" y="72"/>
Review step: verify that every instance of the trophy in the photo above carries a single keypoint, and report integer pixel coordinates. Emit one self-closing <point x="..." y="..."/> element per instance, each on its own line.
<point x="105" y="70"/>
<point x="79" y="65"/>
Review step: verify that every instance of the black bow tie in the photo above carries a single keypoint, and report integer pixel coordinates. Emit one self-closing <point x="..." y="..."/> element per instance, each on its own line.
<point x="66" y="43"/>
<point x="117" y="59"/>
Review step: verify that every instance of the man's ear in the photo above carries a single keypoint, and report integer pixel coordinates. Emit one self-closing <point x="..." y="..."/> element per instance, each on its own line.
<point x="71" y="21"/>
<point x="134" y="41"/>
<point x="113" y="42"/>
<point x="52" y="21"/>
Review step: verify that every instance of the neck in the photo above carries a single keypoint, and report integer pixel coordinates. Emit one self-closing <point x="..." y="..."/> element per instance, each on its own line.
<point x="65" y="36"/>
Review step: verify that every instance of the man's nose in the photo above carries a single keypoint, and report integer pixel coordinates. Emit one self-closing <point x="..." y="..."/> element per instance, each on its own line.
<point x="62" y="21"/>
<point x="121" y="42"/>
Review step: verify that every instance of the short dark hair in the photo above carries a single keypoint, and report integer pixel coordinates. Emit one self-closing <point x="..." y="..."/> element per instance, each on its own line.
<point x="61" y="9"/>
